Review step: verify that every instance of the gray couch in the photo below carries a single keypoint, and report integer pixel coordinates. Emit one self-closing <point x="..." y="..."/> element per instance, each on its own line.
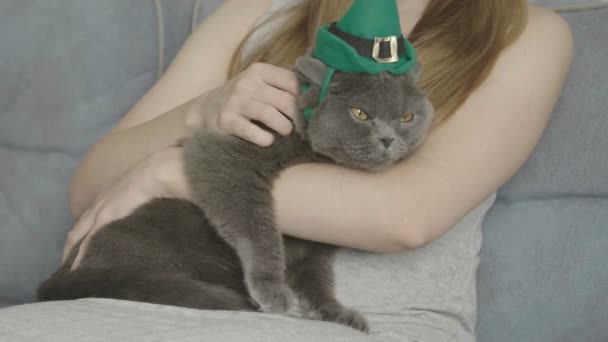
<point x="69" y="69"/>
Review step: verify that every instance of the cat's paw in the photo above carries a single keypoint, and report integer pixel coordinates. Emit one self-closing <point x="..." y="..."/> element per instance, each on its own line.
<point x="271" y="295"/>
<point x="341" y="315"/>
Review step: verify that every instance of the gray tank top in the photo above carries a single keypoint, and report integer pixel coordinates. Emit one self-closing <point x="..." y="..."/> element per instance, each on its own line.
<point x="258" y="35"/>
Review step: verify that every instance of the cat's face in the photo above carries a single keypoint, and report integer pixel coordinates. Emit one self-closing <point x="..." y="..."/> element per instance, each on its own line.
<point x="366" y="121"/>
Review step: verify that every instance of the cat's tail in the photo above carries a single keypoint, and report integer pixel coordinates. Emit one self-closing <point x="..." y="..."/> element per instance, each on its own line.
<point x="157" y="288"/>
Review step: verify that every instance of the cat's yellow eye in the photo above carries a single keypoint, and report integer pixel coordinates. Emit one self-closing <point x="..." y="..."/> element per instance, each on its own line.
<point x="359" y="114"/>
<point x="407" y="117"/>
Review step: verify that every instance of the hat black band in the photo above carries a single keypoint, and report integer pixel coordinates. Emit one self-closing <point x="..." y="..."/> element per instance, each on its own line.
<point x="365" y="47"/>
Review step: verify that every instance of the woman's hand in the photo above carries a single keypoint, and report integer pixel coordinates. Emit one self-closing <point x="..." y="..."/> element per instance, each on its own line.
<point x="262" y="92"/>
<point x="159" y="175"/>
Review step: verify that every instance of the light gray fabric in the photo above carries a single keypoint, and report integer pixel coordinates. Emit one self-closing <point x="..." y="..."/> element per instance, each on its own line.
<point x="427" y="294"/>
<point x="97" y="320"/>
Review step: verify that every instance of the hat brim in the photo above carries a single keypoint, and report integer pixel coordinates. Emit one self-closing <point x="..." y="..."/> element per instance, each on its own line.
<point x="338" y="54"/>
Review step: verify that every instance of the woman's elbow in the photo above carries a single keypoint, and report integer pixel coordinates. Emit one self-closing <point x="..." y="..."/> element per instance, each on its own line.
<point x="411" y="237"/>
<point x="404" y="236"/>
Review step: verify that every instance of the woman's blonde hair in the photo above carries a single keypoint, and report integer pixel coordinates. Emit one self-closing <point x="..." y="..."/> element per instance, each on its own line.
<point x="457" y="42"/>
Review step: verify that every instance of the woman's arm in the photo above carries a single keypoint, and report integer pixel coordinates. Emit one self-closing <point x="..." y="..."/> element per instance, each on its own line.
<point x="158" y="119"/>
<point x="463" y="161"/>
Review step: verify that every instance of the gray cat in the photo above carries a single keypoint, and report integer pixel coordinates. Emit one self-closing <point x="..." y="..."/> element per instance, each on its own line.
<point x="223" y="251"/>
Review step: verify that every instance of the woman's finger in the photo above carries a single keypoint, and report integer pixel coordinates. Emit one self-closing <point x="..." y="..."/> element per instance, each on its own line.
<point x="240" y="126"/>
<point x="80" y="229"/>
<point x="279" y="99"/>
<point x="267" y="115"/>
<point x="99" y="221"/>
<point x="277" y="77"/>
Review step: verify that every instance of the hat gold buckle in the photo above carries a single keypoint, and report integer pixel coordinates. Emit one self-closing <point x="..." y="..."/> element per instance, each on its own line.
<point x="392" y="41"/>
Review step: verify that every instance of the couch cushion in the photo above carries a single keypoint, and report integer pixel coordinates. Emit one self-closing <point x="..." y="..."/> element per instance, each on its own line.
<point x="68" y="71"/>
<point x="543" y="274"/>
<point x="64" y="88"/>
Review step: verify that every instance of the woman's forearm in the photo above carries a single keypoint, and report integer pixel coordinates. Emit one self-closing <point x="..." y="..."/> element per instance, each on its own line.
<point x="345" y="207"/>
<point x="117" y="152"/>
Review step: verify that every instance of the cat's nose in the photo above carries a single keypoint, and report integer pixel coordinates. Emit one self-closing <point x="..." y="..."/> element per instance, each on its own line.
<point x="387" y="142"/>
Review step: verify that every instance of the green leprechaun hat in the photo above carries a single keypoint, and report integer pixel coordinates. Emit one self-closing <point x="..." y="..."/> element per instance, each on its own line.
<point x="367" y="39"/>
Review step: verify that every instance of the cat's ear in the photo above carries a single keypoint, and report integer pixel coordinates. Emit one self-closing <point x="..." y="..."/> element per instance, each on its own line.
<point x="312" y="68"/>
<point x="416" y="70"/>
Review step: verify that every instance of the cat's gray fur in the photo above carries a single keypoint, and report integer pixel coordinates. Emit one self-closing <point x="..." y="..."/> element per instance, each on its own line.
<point x="230" y="255"/>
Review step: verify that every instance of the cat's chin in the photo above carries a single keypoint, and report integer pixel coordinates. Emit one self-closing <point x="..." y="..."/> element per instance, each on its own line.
<point x="377" y="164"/>
<point x="385" y="161"/>
<point x="378" y="168"/>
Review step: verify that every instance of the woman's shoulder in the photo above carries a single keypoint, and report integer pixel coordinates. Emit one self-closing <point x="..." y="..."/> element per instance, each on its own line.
<point x="545" y="43"/>
<point x="546" y="27"/>
<point x="545" y="16"/>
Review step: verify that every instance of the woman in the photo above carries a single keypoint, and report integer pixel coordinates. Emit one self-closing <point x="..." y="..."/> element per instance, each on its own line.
<point x="493" y="70"/>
